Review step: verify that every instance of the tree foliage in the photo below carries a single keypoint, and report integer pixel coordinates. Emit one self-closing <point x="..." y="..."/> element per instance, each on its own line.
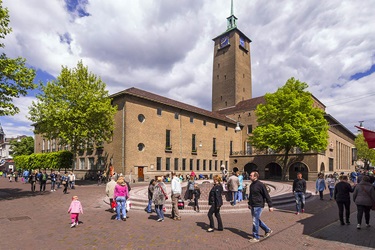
<point x="75" y="109"/>
<point x="364" y="153"/>
<point x="15" y="78"/>
<point x="54" y="160"/>
<point x="23" y="147"/>
<point x="287" y="120"/>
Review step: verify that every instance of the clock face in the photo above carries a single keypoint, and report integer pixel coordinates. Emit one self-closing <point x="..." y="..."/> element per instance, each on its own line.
<point x="224" y="41"/>
<point x="242" y="42"/>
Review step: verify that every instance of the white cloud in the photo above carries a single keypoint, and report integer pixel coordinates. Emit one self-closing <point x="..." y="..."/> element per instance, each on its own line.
<point x="165" y="46"/>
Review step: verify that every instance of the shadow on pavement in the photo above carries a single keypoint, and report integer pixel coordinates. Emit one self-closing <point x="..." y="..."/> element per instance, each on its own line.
<point x="17" y="193"/>
<point x="241" y="233"/>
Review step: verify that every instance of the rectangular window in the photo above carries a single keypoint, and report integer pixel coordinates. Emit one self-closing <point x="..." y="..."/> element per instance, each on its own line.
<point x="204" y="165"/>
<point x="91" y="163"/>
<point x="226" y="128"/>
<point x="158" y="163"/>
<point x="204" y="122"/>
<point x="214" y="151"/>
<point x="249" y="129"/>
<point x="215" y="125"/>
<point x="176" y="164"/>
<point x="330" y="166"/>
<point x="158" y="111"/>
<point x="82" y="163"/>
<point x="191" y="164"/>
<point x="168" y="140"/>
<point x="231" y="148"/>
<point x="210" y="165"/>
<point x="191" y="119"/>
<point x="249" y="148"/>
<point x="183" y="164"/>
<point x="221" y="163"/>
<point x="176" y="115"/>
<point x="168" y="164"/>
<point x="226" y="164"/>
<point x="198" y="164"/>
<point x="193" y="142"/>
<point x="215" y="165"/>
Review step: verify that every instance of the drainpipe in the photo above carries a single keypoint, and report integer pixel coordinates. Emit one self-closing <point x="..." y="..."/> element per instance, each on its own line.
<point x="123" y="141"/>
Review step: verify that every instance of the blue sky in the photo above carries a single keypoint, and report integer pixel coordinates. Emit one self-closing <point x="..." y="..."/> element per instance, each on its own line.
<point x="166" y="47"/>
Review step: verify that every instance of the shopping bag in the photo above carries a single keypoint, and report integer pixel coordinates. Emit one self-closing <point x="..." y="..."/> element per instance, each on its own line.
<point x="181" y="204"/>
<point x="128" y="205"/>
<point x="113" y="204"/>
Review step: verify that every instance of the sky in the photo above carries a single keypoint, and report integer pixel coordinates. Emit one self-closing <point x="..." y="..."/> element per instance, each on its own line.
<point x="165" y="47"/>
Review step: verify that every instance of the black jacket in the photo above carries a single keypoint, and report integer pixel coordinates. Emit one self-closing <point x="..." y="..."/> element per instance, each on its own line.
<point x="342" y="190"/>
<point x="197" y="193"/>
<point x="299" y="185"/>
<point x="259" y="194"/>
<point x="215" y="196"/>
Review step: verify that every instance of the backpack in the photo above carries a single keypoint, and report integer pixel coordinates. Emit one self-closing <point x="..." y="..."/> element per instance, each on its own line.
<point x="44" y="177"/>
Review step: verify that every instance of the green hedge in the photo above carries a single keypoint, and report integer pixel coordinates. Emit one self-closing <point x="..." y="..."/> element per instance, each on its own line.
<point x="54" y="160"/>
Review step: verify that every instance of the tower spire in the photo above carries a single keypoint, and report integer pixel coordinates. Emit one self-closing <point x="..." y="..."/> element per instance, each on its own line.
<point x="231" y="20"/>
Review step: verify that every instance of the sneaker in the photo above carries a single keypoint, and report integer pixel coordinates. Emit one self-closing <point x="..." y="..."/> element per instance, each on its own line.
<point x="72" y="225"/>
<point x="210" y="230"/>
<point x="158" y="220"/>
<point x="253" y="240"/>
<point x="303" y="210"/>
<point x="268" y="233"/>
<point x="297" y="213"/>
<point x="358" y="226"/>
<point x="368" y="225"/>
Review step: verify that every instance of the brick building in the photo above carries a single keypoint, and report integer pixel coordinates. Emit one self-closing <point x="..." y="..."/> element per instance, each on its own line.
<point x="155" y="135"/>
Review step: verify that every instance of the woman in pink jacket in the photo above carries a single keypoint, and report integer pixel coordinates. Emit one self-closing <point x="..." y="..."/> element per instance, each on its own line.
<point x="120" y="195"/>
<point x="74" y="210"/>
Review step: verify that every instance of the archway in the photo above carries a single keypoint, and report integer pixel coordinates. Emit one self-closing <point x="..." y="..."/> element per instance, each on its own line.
<point x="322" y="167"/>
<point x="273" y="171"/>
<point x="298" y="167"/>
<point x="250" y="167"/>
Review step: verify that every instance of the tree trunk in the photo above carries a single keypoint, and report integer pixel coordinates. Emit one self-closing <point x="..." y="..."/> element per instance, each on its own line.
<point x="285" y="172"/>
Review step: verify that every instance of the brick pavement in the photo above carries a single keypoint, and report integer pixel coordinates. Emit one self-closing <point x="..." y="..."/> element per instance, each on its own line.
<point x="40" y="221"/>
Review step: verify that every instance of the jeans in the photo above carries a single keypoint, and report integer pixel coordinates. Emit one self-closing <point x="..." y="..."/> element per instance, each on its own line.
<point x="120" y="209"/>
<point x="43" y="186"/>
<point x="149" y="206"/>
<point x="159" y="211"/>
<point x="341" y="205"/>
<point x="331" y="190"/>
<point x="215" y="210"/>
<point x="256" y="213"/>
<point x="53" y="183"/>
<point x="234" y="197"/>
<point x="239" y="194"/>
<point x="363" y="209"/>
<point x="33" y="184"/>
<point x="26" y="178"/>
<point x="300" y="201"/>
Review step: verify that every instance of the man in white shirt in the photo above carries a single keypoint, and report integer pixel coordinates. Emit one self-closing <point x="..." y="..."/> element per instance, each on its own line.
<point x="176" y="194"/>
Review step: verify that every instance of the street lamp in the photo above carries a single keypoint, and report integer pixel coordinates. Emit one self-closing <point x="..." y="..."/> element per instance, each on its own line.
<point x="238" y="128"/>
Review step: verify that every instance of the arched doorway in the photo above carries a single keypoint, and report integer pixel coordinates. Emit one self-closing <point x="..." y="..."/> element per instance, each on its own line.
<point x="250" y="167"/>
<point x="298" y="167"/>
<point x="322" y="167"/>
<point x="273" y="171"/>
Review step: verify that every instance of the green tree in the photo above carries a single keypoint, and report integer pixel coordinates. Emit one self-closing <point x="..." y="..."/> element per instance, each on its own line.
<point x="289" y="120"/>
<point x="23" y="147"/>
<point x="364" y="153"/>
<point x="15" y="78"/>
<point x="75" y="109"/>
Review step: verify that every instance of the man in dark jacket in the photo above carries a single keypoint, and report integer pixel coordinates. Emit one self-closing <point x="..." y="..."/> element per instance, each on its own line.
<point x="299" y="191"/>
<point x="258" y="196"/>
<point x="342" y="198"/>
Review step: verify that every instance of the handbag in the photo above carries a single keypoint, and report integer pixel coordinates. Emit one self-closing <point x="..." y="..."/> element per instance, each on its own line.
<point x="165" y="195"/>
<point x="180" y="204"/>
<point x="113" y="204"/>
<point x="63" y="182"/>
<point x="128" y="205"/>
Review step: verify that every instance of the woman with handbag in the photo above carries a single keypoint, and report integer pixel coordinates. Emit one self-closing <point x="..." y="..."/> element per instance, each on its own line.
<point x="364" y="198"/>
<point x="215" y="199"/>
<point x="159" y="197"/>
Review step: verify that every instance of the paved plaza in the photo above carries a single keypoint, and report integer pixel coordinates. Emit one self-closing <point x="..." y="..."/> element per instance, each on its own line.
<point x="41" y="221"/>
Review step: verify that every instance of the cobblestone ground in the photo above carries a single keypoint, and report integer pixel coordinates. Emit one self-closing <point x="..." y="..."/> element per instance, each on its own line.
<point x="41" y="221"/>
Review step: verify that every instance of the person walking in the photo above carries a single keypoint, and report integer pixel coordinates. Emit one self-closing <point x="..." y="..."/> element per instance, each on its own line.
<point x="43" y="181"/>
<point x="176" y="194"/>
<point x="53" y="181"/>
<point x="159" y="197"/>
<point x="233" y="184"/>
<point x="341" y="195"/>
<point x="331" y="185"/>
<point x="65" y="182"/>
<point x="320" y="186"/>
<point x="32" y="180"/>
<point x="150" y="193"/>
<point x="257" y="197"/>
<point x="299" y="191"/>
<point x="240" y="187"/>
<point x="215" y="200"/>
<point x="120" y="195"/>
<point x="364" y="198"/>
<point x="190" y="187"/>
<point x="109" y="190"/>
<point x="72" y="180"/>
<point x="224" y="173"/>
<point x="197" y="195"/>
<point x="26" y="174"/>
<point x="74" y="209"/>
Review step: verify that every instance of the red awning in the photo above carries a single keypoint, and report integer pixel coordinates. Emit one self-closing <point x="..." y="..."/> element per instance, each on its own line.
<point x="369" y="136"/>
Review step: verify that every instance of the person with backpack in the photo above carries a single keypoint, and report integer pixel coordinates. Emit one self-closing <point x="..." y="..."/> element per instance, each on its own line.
<point x="43" y="177"/>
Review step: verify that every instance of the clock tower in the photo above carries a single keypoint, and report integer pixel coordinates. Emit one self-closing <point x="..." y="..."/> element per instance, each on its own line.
<point x="231" y="79"/>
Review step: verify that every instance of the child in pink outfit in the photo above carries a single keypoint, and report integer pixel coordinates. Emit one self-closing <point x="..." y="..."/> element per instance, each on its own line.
<point x="74" y="210"/>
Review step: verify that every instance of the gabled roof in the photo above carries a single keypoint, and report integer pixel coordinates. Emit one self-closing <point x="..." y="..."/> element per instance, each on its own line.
<point x="246" y="105"/>
<point x="166" y="101"/>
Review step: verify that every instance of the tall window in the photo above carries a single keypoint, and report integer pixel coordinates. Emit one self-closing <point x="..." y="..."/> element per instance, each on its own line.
<point x="198" y="163"/>
<point x="210" y="165"/>
<point x="168" y="164"/>
<point x="175" y="163"/>
<point x="214" y="146"/>
<point x="191" y="119"/>
<point x="193" y="141"/>
<point x="82" y="163"/>
<point x="168" y="139"/>
<point x="249" y="148"/>
<point x="158" y="163"/>
<point x="191" y="164"/>
<point x="176" y="115"/>
<point x="231" y="148"/>
<point x="204" y="165"/>
<point x="249" y="129"/>
<point x="91" y="163"/>
<point x="183" y="164"/>
<point x="158" y="111"/>
<point x="215" y="165"/>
